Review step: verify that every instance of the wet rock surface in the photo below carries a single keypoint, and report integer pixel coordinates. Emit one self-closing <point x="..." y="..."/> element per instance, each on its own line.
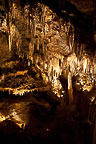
<point x="46" y="56"/>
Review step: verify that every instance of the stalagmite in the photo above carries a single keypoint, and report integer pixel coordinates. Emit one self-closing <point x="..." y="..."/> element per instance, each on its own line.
<point x="70" y="89"/>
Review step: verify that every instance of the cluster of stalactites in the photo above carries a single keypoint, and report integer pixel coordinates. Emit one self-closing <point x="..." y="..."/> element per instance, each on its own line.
<point x="39" y="54"/>
<point x="14" y="16"/>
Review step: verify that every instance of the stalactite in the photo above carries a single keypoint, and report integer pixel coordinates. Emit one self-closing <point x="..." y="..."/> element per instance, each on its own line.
<point x="14" y="10"/>
<point x="10" y="24"/>
<point x="43" y="46"/>
<point x="28" y="63"/>
<point x="35" y="24"/>
<point x="18" y="41"/>
<point x="31" y="44"/>
<point x="43" y="20"/>
<point x="9" y="42"/>
<point x="81" y="48"/>
<point x="85" y="65"/>
<point x="38" y="44"/>
<point x="31" y="48"/>
<point x="37" y="39"/>
<point x="28" y="21"/>
<point x="94" y="69"/>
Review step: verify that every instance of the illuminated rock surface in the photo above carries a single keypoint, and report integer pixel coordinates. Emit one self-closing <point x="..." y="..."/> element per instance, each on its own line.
<point x="47" y="75"/>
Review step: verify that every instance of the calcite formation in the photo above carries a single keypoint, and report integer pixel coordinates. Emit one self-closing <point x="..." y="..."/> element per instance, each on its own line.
<point x="46" y="45"/>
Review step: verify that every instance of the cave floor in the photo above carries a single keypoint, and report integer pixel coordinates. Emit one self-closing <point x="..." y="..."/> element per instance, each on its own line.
<point x="35" y="119"/>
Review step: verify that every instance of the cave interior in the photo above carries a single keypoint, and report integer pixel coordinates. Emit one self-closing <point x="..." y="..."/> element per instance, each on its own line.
<point x="48" y="71"/>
